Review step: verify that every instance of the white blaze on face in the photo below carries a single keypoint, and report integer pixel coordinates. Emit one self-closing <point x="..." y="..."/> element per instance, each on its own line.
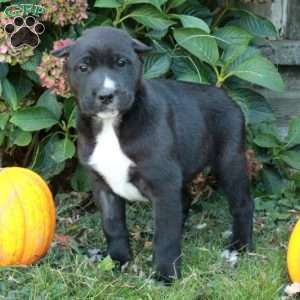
<point x="109" y="84"/>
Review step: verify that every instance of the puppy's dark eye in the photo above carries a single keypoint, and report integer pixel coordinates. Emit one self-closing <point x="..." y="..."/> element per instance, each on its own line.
<point x="83" y="68"/>
<point x="121" y="62"/>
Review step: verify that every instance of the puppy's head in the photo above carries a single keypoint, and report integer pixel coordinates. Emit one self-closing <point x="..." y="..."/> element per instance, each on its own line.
<point x="104" y="70"/>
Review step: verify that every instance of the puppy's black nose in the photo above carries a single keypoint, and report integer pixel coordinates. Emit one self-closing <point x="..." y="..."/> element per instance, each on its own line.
<point x="105" y="97"/>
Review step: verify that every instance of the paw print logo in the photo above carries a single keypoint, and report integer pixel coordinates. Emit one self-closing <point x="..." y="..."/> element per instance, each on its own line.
<point x="24" y="32"/>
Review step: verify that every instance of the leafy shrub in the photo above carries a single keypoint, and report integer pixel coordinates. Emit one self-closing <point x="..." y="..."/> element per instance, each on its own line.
<point x="196" y="41"/>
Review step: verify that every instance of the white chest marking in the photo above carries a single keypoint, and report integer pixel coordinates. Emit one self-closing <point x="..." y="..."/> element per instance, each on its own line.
<point x="112" y="164"/>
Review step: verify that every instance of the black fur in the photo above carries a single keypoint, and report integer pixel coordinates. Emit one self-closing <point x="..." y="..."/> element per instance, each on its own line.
<point x="171" y="130"/>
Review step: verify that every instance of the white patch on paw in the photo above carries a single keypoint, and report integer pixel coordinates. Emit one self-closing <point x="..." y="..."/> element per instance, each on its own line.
<point x="231" y="257"/>
<point x="112" y="164"/>
<point x="292" y="289"/>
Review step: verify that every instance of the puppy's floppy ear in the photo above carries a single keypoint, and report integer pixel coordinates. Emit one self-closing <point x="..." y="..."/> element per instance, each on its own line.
<point x="62" y="52"/>
<point x="140" y="47"/>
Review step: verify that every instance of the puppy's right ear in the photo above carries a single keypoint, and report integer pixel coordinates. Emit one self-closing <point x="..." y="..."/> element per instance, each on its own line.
<point x="62" y="52"/>
<point x="140" y="47"/>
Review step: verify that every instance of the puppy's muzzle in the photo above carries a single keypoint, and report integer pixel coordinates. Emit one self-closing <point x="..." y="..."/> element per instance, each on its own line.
<point x="105" y="96"/>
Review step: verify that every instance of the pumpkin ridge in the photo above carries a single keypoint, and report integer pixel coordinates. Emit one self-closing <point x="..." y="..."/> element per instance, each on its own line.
<point x="41" y="248"/>
<point x="19" y="246"/>
<point x="50" y="207"/>
<point x="19" y="258"/>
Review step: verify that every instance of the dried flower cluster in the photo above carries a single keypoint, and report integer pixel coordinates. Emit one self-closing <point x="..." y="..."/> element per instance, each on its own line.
<point x="51" y="71"/>
<point x="201" y="186"/>
<point x="8" y="53"/>
<point x="254" y="166"/>
<point x="61" y="12"/>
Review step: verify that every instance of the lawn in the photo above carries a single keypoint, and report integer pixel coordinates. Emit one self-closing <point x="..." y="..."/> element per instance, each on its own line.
<point x="71" y="270"/>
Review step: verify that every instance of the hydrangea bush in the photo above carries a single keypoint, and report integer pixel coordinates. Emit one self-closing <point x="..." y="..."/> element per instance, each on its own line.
<point x="206" y="42"/>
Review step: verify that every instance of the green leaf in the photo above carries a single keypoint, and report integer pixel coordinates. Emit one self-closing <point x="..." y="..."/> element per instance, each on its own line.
<point x="266" y="135"/>
<point x="265" y="140"/>
<point x="4" y="116"/>
<point x="106" y="265"/>
<point x="231" y="53"/>
<point x="156" y="3"/>
<point x="156" y="34"/>
<point x="32" y="75"/>
<point x="49" y="100"/>
<point x="156" y="65"/>
<point x="273" y="181"/>
<point x="33" y="118"/>
<point x="194" y="8"/>
<point x="43" y="163"/>
<point x="292" y="158"/>
<point x="188" y="69"/>
<point x="234" y="41"/>
<point x="257" y="109"/>
<point x="199" y="43"/>
<point x="192" y="22"/>
<point x="9" y="94"/>
<point x="151" y="17"/>
<point x="63" y="149"/>
<point x="33" y="62"/>
<point x="175" y="3"/>
<point x="80" y="181"/>
<point x="254" y="24"/>
<point x="232" y="35"/>
<point x="108" y="3"/>
<point x="293" y="137"/>
<point x="3" y="70"/>
<point x="23" y="86"/>
<point x="258" y="70"/>
<point x="20" y="138"/>
<point x="70" y="112"/>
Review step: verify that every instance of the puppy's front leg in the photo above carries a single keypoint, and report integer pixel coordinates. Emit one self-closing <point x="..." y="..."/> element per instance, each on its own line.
<point x="167" y="236"/>
<point x="113" y="223"/>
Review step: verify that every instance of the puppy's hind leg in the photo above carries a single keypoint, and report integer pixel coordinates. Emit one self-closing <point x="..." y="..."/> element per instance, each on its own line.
<point x="186" y="201"/>
<point x="234" y="179"/>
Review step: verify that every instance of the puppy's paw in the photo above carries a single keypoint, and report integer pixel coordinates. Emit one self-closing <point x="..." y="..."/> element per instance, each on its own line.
<point x="166" y="273"/>
<point x="119" y="252"/>
<point x="241" y="244"/>
<point x="231" y="257"/>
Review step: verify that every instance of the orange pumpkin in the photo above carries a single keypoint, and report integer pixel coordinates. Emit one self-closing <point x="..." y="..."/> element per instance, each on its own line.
<point x="27" y="216"/>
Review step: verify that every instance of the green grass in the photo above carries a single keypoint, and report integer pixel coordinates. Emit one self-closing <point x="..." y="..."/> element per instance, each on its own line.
<point x="68" y="273"/>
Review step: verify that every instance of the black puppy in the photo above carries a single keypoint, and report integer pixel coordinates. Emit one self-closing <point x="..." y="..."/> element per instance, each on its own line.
<point x="144" y="140"/>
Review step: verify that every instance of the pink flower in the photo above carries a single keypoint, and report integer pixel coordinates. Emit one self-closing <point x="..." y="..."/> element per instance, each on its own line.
<point x="51" y="71"/>
<point x="61" y="12"/>
<point x="3" y="49"/>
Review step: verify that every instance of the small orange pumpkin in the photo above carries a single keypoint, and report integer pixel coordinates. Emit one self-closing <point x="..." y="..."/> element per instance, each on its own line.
<point x="27" y="216"/>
